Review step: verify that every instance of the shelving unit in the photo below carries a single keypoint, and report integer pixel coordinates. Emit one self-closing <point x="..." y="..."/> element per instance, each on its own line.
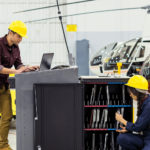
<point x="80" y="116"/>
<point x="103" y="97"/>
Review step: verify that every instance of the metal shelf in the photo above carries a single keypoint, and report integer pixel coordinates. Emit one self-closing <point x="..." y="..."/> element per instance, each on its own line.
<point x="106" y="106"/>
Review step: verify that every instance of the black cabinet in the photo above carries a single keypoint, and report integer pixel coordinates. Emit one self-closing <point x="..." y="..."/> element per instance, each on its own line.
<point x="58" y="117"/>
<point x="80" y="116"/>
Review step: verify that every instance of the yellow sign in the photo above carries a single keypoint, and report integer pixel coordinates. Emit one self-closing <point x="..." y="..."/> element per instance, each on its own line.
<point x="11" y="75"/>
<point x="71" y="28"/>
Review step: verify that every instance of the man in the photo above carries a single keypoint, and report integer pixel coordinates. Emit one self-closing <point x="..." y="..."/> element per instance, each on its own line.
<point x="9" y="56"/>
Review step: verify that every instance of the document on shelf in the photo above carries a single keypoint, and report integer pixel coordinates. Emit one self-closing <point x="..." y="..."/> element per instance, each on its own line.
<point x="101" y="142"/>
<point x="105" y="142"/>
<point x="94" y="118"/>
<point x="120" y="147"/>
<point x="108" y="96"/>
<point x="91" y="118"/>
<point x="99" y="95"/>
<point x="91" y="99"/>
<point x="94" y="95"/>
<point x="122" y="111"/>
<point x="123" y="95"/>
<point x="97" y="118"/>
<point x="112" y="141"/>
<point x="93" y="141"/>
<point x="102" y="119"/>
<point x="105" y="118"/>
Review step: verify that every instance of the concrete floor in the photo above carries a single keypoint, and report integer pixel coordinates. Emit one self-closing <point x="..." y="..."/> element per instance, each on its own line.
<point x="12" y="135"/>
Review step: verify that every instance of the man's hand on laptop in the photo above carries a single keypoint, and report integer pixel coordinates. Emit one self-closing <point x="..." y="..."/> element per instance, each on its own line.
<point x="32" y="68"/>
<point x="20" y="70"/>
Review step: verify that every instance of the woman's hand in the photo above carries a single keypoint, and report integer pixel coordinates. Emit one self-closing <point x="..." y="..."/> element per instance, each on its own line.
<point x="119" y="117"/>
<point x="123" y="130"/>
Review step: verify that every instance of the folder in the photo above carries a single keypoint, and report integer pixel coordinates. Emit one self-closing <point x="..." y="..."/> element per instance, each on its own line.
<point x="94" y="95"/>
<point x="112" y="141"/>
<point x="91" y="118"/>
<point x="105" y="142"/>
<point x="108" y="96"/>
<point x="102" y="119"/>
<point x="99" y="94"/>
<point x="101" y="142"/>
<point x="120" y="148"/>
<point x="93" y="141"/>
<point x="94" y="118"/>
<point x="123" y="95"/>
<point x="105" y="118"/>
<point x="122" y="111"/>
<point x="91" y="99"/>
<point x="97" y="118"/>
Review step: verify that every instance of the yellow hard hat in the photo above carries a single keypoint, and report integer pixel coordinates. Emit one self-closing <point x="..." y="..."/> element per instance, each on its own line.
<point x="18" y="27"/>
<point x="138" y="82"/>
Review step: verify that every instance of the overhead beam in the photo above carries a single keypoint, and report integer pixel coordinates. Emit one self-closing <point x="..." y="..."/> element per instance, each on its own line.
<point x="92" y="12"/>
<point x="64" y="4"/>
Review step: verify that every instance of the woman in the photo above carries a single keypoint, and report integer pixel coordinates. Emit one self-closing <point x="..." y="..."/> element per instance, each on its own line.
<point x="136" y="136"/>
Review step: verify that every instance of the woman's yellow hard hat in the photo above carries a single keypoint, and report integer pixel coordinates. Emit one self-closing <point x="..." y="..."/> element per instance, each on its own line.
<point x="138" y="82"/>
<point x="19" y="27"/>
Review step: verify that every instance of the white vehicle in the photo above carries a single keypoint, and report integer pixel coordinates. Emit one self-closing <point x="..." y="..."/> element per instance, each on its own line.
<point x="145" y="69"/>
<point x="97" y="61"/>
<point x="132" y="54"/>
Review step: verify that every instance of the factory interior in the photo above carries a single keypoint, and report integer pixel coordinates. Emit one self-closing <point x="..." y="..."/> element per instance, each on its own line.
<point x="74" y="75"/>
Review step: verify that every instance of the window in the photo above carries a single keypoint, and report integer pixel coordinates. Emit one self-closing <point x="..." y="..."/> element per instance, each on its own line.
<point x="139" y="52"/>
<point x="142" y="52"/>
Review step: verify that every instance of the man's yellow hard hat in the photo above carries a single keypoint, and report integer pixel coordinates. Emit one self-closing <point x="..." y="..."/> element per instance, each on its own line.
<point x="138" y="82"/>
<point x="18" y="27"/>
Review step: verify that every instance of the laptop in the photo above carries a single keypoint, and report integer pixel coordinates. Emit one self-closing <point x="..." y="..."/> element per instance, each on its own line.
<point x="46" y="61"/>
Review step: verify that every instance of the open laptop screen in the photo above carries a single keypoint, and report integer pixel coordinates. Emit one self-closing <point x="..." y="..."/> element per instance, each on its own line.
<point x="46" y="61"/>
